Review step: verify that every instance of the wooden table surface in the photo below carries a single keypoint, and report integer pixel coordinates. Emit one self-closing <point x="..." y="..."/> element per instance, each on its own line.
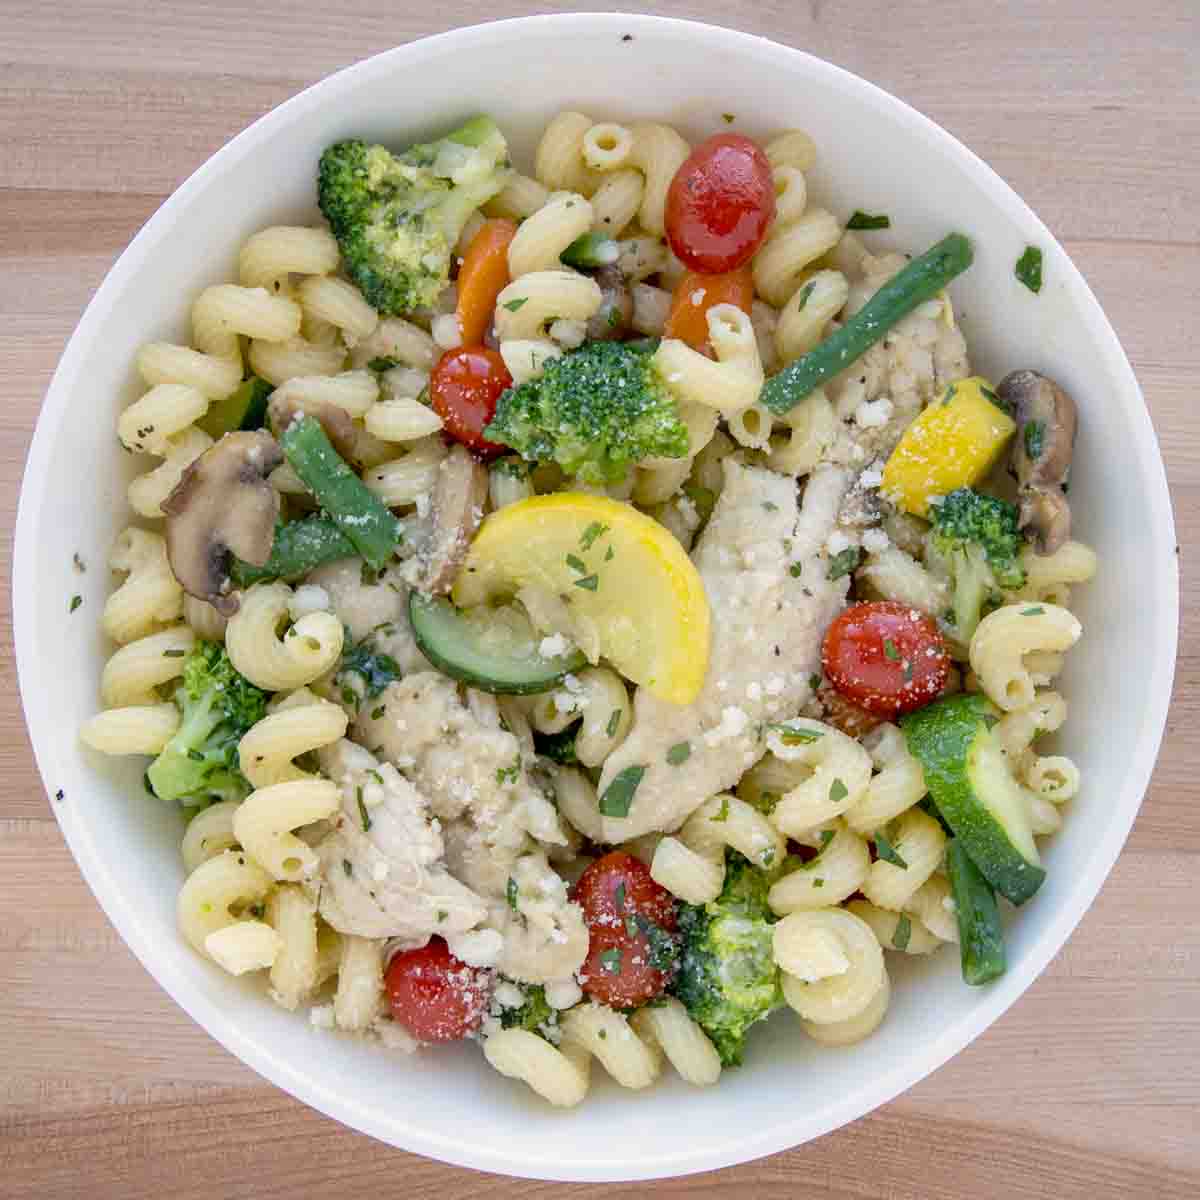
<point x="1090" y="1085"/>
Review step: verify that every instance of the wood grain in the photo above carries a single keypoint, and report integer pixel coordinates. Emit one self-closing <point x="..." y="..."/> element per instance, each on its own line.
<point x="1090" y="1085"/>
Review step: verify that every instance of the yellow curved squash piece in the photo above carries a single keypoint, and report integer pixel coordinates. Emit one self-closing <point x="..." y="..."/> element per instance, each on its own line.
<point x="615" y="567"/>
<point x="953" y="443"/>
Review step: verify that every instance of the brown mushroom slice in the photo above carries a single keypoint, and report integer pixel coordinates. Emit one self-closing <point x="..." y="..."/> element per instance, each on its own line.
<point x="223" y="505"/>
<point x="1041" y="455"/>
<point x="459" y="497"/>
<point x="614" y="318"/>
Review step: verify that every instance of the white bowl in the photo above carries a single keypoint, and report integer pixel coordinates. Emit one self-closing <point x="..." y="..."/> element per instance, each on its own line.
<point x="875" y="154"/>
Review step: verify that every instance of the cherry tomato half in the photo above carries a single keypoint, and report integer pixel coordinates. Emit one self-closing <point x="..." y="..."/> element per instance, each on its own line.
<point x="720" y="203"/>
<point x="463" y="389"/>
<point x="434" y="995"/>
<point x="695" y="294"/>
<point x="886" y="657"/>
<point x="631" y="924"/>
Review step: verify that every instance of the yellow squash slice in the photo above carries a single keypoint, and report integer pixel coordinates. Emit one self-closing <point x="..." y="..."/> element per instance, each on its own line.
<point x="953" y="443"/>
<point x="617" y="569"/>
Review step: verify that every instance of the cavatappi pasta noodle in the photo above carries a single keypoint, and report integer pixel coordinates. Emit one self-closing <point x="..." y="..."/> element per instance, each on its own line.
<point x="555" y="708"/>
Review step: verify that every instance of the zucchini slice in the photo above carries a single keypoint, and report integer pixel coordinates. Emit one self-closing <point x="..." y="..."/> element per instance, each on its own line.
<point x="971" y="784"/>
<point x="483" y="650"/>
<point x="980" y="934"/>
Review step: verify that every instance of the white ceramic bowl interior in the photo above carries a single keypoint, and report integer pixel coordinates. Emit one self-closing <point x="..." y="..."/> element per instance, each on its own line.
<point x="875" y="154"/>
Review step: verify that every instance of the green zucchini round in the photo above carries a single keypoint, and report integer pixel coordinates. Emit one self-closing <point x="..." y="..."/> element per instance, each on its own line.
<point x="450" y="641"/>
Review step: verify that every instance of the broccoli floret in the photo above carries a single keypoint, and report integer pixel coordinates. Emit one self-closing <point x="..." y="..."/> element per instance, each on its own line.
<point x="727" y="977"/>
<point x="534" y="1014"/>
<point x="593" y="412"/>
<point x="200" y="763"/>
<point x="397" y="217"/>
<point x="364" y="673"/>
<point x="979" y="538"/>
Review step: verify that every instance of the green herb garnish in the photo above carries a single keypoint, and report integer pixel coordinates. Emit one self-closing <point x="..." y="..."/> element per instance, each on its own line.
<point x="862" y="220"/>
<point x="1029" y="268"/>
<point x="618" y="796"/>
<point x="888" y="852"/>
<point x="679" y="753"/>
<point x="844" y="562"/>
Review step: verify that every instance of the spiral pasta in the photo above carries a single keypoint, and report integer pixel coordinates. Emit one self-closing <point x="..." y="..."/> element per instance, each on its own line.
<point x="149" y="596"/>
<point x="691" y="865"/>
<point x="309" y="648"/>
<point x="264" y="822"/>
<point x="832" y="964"/>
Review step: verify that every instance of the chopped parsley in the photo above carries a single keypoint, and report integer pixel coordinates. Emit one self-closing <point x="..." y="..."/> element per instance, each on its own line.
<point x="509" y="774"/>
<point x="1035" y="439"/>
<point x="610" y="960"/>
<point x="902" y="933"/>
<point x="347" y="868"/>
<point x="515" y="305"/>
<point x="795" y="570"/>
<point x="618" y="796"/>
<point x="173" y="653"/>
<point x="510" y="894"/>
<point x="363" y="815"/>
<point x="664" y="949"/>
<point x="728" y="118"/>
<point x="789" y="735"/>
<point x="827" y="836"/>
<point x="576" y="564"/>
<point x="888" y="852"/>
<point x="814" y="681"/>
<point x="382" y="364"/>
<point x="770" y="506"/>
<point x="844" y="562"/>
<point x="862" y="220"/>
<point x="442" y="914"/>
<point x="1035" y="611"/>
<point x="591" y="533"/>
<point x="76" y="601"/>
<point x="1029" y="269"/>
<point x="589" y="582"/>
<point x="818" y="882"/>
<point x="376" y="713"/>
<point x="374" y="669"/>
<point x="890" y="651"/>
<point x="723" y="811"/>
<point x="614" y="722"/>
<point x="805" y="294"/>
<point x="619" y="895"/>
<point x="837" y="792"/>
<point x="679" y="753"/>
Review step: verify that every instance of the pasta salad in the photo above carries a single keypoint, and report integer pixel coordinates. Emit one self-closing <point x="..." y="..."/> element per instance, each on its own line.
<point x="591" y="610"/>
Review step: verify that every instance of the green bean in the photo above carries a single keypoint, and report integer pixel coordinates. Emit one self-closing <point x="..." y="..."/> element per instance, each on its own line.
<point x="921" y="280"/>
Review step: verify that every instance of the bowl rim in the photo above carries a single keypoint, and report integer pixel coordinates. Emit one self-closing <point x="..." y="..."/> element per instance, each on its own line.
<point x="297" y="1079"/>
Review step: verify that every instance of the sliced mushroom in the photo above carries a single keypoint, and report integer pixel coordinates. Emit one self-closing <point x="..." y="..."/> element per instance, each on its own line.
<point x="1041" y="455"/>
<point x="614" y="318"/>
<point x="223" y="505"/>
<point x="459" y="497"/>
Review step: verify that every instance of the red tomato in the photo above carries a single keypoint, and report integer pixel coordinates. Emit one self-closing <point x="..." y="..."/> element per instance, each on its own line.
<point x="886" y="657"/>
<point x="720" y="203"/>
<point x="434" y="995"/>
<point x="630" y="920"/>
<point x="463" y="389"/>
<point x="695" y="294"/>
